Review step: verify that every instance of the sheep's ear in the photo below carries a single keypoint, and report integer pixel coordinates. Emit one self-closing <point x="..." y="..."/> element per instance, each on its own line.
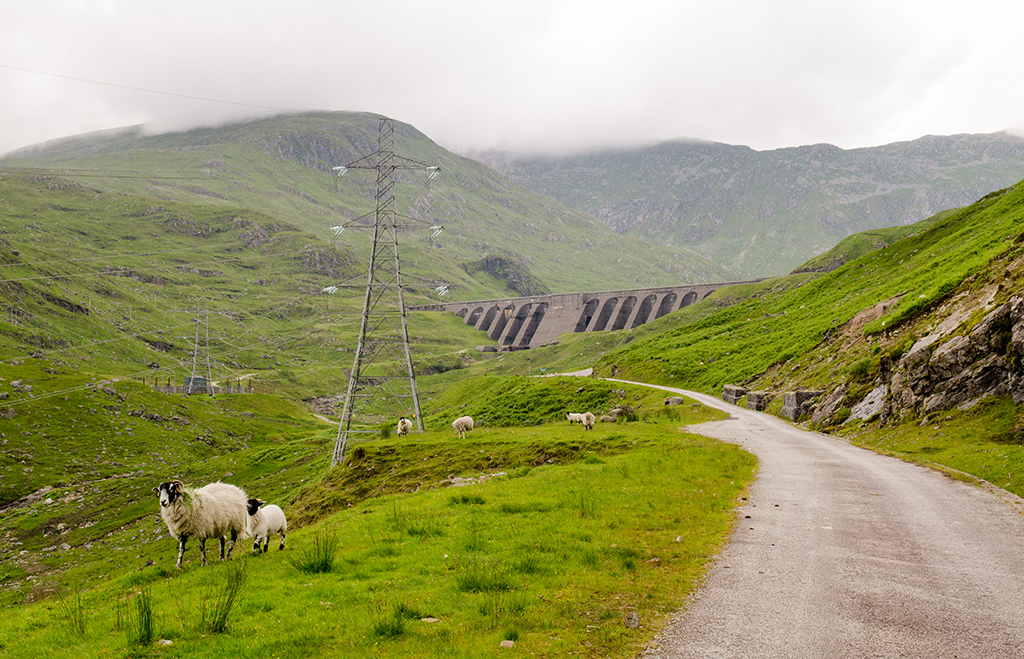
<point x="157" y="490"/>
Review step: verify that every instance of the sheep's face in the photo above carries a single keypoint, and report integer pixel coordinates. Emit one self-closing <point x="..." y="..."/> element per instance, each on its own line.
<point x="168" y="492"/>
<point x="253" y="505"/>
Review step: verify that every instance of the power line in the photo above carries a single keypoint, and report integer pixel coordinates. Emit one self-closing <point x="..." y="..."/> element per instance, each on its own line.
<point x="128" y="271"/>
<point x="146" y="90"/>
<point x="99" y="173"/>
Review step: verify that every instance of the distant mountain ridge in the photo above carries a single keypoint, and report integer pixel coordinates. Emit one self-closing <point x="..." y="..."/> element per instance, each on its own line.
<point x="761" y="213"/>
<point x="282" y="166"/>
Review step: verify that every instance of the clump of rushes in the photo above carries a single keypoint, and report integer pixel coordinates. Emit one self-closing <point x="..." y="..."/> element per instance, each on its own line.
<point x="319" y="557"/>
<point x="215" y="607"/>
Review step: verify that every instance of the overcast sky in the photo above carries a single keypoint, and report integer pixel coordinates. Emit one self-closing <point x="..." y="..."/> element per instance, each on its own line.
<point x="525" y="75"/>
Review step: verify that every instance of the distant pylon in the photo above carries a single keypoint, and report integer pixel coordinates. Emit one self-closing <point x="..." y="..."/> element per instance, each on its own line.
<point x="383" y="360"/>
<point x="190" y="385"/>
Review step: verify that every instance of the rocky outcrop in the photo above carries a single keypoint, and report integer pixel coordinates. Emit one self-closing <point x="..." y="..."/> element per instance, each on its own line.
<point x="828" y="405"/>
<point x="872" y="404"/>
<point x="958" y="369"/>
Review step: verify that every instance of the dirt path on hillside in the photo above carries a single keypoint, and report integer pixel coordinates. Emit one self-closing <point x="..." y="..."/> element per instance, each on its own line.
<point x="842" y="552"/>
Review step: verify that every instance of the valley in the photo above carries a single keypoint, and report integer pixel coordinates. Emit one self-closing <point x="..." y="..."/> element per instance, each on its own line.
<point x="529" y="530"/>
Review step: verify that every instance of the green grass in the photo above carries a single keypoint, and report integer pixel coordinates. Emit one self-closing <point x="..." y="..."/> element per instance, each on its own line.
<point x="520" y="562"/>
<point x="985" y="441"/>
<point x="767" y="333"/>
<point x="281" y="166"/>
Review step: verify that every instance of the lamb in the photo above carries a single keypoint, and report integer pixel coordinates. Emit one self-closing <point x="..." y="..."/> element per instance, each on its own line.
<point x="264" y="523"/>
<point x="404" y="426"/>
<point x="588" y="420"/>
<point x="574" y="417"/>
<point x="462" y="425"/>
<point x="217" y="510"/>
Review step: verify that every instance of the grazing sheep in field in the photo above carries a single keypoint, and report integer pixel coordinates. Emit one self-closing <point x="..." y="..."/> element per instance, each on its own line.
<point x="462" y="425"/>
<point x="217" y="510"/>
<point x="574" y="417"/>
<point x="404" y="426"/>
<point x="588" y="420"/>
<point x="264" y="523"/>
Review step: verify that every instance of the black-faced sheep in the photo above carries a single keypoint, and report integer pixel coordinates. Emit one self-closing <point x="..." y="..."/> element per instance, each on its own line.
<point x="217" y="510"/>
<point x="404" y="426"/>
<point x="462" y="425"/>
<point x="264" y="523"/>
<point x="588" y="420"/>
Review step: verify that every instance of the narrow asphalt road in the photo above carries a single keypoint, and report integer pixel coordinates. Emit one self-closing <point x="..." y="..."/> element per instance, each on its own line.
<point x="842" y="552"/>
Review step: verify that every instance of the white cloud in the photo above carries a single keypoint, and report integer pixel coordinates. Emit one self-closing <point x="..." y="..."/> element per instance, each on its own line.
<point x="559" y="74"/>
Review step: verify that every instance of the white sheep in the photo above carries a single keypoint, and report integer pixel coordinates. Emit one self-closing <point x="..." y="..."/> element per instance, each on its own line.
<point x="217" y="510"/>
<point x="574" y="417"/>
<point x="462" y="425"/>
<point x="588" y="420"/>
<point x="263" y="523"/>
<point x="404" y="426"/>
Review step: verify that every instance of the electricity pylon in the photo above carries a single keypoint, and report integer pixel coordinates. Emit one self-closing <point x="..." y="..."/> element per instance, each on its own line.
<point x="190" y="386"/>
<point x="383" y="360"/>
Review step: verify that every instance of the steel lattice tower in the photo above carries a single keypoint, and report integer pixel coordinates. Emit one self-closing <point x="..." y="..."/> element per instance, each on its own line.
<point x="204" y="314"/>
<point x="383" y="360"/>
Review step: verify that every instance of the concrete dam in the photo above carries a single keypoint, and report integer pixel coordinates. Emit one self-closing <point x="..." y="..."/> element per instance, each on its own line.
<point x="527" y="322"/>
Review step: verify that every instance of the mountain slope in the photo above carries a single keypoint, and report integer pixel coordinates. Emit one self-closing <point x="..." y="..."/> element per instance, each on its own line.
<point x="764" y="213"/>
<point x="283" y="167"/>
<point x="807" y="331"/>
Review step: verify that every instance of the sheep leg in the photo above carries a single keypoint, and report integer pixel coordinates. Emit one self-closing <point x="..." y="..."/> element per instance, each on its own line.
<point x="234" y="538"/>
<point x="223" y="542"/>
<point x="266" y="543"/>
<point x="181" y="549"/>
<point x="282" y="543"/>
<point x="256" y="545"/>
<point x="202" y="549"/>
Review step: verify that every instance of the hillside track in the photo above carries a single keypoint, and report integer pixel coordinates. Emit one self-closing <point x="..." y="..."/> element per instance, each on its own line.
<point x="842" y="552"/>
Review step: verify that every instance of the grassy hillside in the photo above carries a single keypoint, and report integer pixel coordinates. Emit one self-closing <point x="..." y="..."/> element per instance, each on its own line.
<point x="843" y="333"/>
<point x="548" y="536"/>
<point x="283" y="167"/>
<point x="775" y="325"/>
<point x="529" y="530"/>
<point x="101" y="292"/>
<point x="865" y="242"/>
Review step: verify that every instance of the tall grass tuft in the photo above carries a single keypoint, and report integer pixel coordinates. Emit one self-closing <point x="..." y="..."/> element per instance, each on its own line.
<point x="584" y="504"/>
<point x="135" y="617"/>
<point x="392" y="624"/>
<point x="215" y="607"/>
<point x="482" y="576"/>
<point x="318" y="558"/>
<point x="72" y="611"/>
